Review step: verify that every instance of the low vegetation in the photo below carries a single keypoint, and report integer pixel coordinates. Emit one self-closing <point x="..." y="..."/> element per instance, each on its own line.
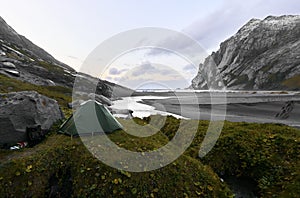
<point x="265" y="153"/>
<point x="51" y="67"/>
<point x="292" y="83"/>
<point x="61" y="165"/>
<point x="59" y="93"/>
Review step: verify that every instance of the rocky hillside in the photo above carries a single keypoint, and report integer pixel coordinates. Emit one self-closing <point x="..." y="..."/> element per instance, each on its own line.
<point x="262" y="55"/>
<point x="22" y="60"/>
<point x="9" y="35"/>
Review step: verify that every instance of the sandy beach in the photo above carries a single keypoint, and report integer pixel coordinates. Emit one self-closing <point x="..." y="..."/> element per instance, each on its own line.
<point x="260" y="107"/>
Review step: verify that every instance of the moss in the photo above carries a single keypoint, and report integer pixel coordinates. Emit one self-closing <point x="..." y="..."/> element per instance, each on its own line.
<point x="273" y="81"/>
<point x="59" y="93"/>
<point x="243" y="79"/>
<point x="267" y="68"/>
<point x="61" y="159"/>
<point x="292" y="83"/>
<point x="267" y="153"/>
<point x="50" y="67"/>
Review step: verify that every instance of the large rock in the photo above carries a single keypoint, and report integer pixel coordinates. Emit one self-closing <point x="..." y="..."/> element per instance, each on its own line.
<point x="263" y="54"/>
<point x="19" y="110"/>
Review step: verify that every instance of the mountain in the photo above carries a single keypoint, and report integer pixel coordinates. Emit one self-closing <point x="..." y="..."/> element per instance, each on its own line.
<point x="9" y="35"/>
<point x="262" y="55"/>
<point x="23" y="60"/>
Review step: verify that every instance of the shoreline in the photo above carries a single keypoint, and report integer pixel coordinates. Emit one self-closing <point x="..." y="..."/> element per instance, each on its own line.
<point x="240" y="108"/>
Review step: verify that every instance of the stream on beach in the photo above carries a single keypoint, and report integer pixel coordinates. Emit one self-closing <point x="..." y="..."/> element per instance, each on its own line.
<point x="259" y="107"/>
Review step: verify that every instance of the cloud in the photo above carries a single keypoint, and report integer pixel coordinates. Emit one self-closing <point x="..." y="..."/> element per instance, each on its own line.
<point x="152" y="74"/>
<point x="145" y="68"/>
<point x="182" y="45"/>
<point x="73" y="57"/>
<point x="150" y="71"/>
<point x="189" y="67"/>
<point x="213" y="29"/>
<point x="115" y="71"/>
<point x="209" y="31"/>
<point x="108" y="78"/>
<point x="117" y="79"/>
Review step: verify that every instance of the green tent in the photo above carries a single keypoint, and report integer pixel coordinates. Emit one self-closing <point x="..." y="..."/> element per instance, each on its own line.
<point x="91" y="117"/>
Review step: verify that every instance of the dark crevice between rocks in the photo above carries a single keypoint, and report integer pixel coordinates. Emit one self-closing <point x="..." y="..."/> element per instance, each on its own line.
<point x="242" y="187"/>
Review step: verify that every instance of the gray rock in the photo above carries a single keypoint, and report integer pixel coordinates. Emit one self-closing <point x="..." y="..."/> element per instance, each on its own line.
<point x="8" y="65"/>
<point x="10" y="72"/>
<point x="26" y="109"/>
<point x="9" y="69"/>
<point x="262" y="55"/>
<point x="2" y="53"/>
<point x="100" y="98"/>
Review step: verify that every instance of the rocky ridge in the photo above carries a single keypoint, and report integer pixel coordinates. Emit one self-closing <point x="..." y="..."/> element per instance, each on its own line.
<point x="262" y="55"/>
<point x="9" y="35"/>
<point x="23" y="60"/>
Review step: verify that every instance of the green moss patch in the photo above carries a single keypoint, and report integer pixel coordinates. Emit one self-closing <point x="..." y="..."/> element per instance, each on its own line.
<point x="293" y="82"/>
<point x="59" y="93"/>
<point x="50" y="67"/>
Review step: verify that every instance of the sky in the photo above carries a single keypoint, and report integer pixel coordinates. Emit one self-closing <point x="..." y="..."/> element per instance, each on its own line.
<point x="71" y="30"/>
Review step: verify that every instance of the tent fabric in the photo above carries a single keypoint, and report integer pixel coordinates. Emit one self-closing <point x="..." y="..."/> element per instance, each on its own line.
<point x="91" y="117"/>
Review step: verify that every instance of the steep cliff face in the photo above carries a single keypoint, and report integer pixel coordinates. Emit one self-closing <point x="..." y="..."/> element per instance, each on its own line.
<point x="23" y="60"/>
<point x="263" y="54"/>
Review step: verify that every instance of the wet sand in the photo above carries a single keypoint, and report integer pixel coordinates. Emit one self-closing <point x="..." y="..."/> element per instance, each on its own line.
<point x="237" y="107"/>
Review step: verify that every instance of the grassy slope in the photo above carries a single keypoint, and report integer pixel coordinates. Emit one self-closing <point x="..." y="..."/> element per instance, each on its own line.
<point x="65" y="158"/>
<point x="61" y="94"/>
<point x="268" y="153"/>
